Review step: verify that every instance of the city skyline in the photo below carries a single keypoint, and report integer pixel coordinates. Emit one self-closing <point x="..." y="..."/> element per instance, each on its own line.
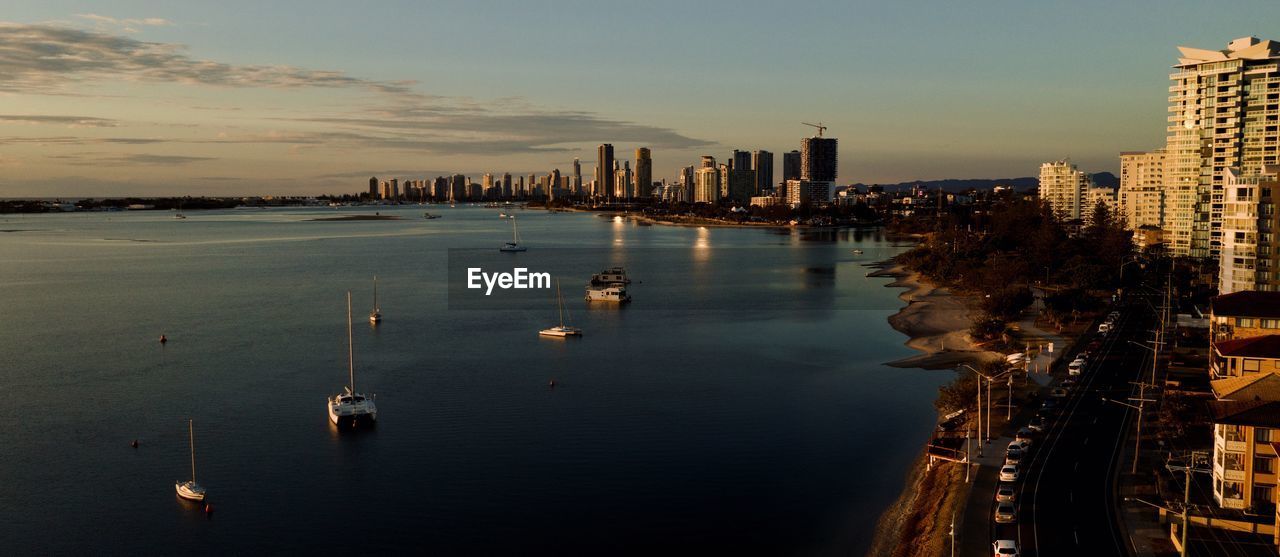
<point x="143" y="99"/>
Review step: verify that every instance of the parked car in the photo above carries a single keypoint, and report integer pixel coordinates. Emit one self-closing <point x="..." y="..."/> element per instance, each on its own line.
<point x="1076" y="367"/>
<point x="1070" y="381"/>
<point x="1009" y="473"/>
<point x="1014" y="458"/>
<point x="1005" y="494"/>
<point x="1020" y="445"/>
<point x="1005" y="514"/>
<point x="1004" y="548"/>
<point x="1024" y="437"/>
<point x="1058" y="392"/>
<point x="1104" y="328"/>
<point x="1037" y="423"/>
<point x="1049" y="405"/>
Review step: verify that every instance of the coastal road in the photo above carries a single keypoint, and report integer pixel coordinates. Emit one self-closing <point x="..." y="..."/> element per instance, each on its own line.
<point x="1067" y="496"/>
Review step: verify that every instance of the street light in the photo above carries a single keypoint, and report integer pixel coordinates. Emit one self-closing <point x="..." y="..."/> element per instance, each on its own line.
<point x="979" y="374"/>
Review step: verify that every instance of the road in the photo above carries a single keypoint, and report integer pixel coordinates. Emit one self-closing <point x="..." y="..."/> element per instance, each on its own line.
<point x="1066" y="493"/>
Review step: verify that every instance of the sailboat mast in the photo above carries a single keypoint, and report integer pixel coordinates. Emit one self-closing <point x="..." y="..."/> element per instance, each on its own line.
<point x="515" y="233"/>
<point x="191" y="431"/>
<point x="351" y="351"/>
<point x="560" y="302"/>
<point x="375" y="292"/>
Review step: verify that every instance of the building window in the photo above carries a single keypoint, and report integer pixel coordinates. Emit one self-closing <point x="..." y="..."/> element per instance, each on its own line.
<point x="1264" y="465"/>
<point x="1262" y="435"/>
<point x="1251" y="364"/>
<point x="1233" y="433"/>
<point x="1271" y="323"/>
<point x="1245" y="322"/>
<point x="1232" y="490"/>
<point x="1233" y="461"/>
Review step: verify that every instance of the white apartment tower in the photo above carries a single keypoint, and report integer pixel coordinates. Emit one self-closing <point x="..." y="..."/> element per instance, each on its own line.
<point x="1141" y="198"/>
<point x="1249" y="256"/>
<point x="1223" y="107"/>
<point x="1066" y="189"/>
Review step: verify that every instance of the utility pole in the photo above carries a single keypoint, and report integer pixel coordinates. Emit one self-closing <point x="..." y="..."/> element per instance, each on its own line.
<point x="1009" y="403"/>
<point x="1197" y="462"/>
<point x="1141" y="400"/>
<point x="953" y="534"/>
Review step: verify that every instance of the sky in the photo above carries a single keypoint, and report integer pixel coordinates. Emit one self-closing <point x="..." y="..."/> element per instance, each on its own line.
<point x="294" y="98"/>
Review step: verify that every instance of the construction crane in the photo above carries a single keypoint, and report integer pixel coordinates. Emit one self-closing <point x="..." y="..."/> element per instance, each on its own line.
<point x="821" y="128"/>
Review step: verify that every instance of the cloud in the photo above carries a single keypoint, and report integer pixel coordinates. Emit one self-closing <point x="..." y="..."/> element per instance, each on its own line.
<point x="70" y="140"/>
<point x="38" y="58"/>
<point x="385" y="174"/>
<point x="42" y="58"/>
<point x="127" y="24"/>
<point x="131" y="159"/>
<point x="73" y="121"/>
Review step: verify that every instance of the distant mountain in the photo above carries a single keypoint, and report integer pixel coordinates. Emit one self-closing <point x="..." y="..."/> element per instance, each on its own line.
<point x="1105" y="179"/>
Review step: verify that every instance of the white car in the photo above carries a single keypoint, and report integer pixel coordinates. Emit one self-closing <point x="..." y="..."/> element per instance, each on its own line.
<point x="1005" y="494"/>
<point x="1104" y="328"/>
<point x="1009" y="473"/>
<point x="1019" y="445"/>
<point x="1075" y="368"/>
<point x="1005" y="514"/>
<point x="1004" y="548"/>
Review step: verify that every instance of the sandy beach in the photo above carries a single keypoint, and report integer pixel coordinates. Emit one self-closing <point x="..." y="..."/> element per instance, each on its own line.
<point x="935" y="321"/>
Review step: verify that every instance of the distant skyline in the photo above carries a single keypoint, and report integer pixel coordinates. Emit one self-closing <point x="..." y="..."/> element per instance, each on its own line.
<point x="150" y="98"/>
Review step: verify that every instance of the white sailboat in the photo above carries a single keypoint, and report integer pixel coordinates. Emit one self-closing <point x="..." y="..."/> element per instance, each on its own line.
<point x="375" y="316"/>
<point x="351" y="408"/>
<point x="191" y="490"/>
<point x="561" y="330"/>
<point x="514" y="244"/>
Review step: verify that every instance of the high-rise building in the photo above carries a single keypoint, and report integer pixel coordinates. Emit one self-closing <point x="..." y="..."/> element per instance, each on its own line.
<point x="738" y="185"/>
<point x="706" y="181"/>
<point x="622" y="180"/>
<point x="373" y="187"/>
<point x="686" y="179"/>
<point x="604" y="170"/>
<point x="506" y="185"/>
<point x="1141" y="199"/>
<point x="575" y="184"/>
<point x="790" y="166"/>
<point x="762" y="162"/>
<point x="644" y="172"/>
<point x="1249" y="259"/>
<point x="395" y="189"/>
<point x="1065" y="188"/>
<point x="1222" y="106"/>
<point x="818" y="159"/>
<point x="457" y="188"/>
<point x="741" y="160"/>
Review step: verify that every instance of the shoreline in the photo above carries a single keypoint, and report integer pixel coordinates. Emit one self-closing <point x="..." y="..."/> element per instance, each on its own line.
<point x="936" y="323"/>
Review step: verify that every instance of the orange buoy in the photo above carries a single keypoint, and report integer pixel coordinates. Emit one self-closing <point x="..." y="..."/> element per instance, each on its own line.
<point x="208" y="509"/>
<point x="134" y="444"/>
<point x="552" y="383"/>
<point x="163" y="339"/>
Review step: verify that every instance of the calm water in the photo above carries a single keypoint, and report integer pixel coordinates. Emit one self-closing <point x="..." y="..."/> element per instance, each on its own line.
<point x="717" y="428"/>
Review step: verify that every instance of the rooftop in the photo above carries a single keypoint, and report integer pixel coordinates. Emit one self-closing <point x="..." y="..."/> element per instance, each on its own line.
<point x="1256" y="413"/>
<point x="1254" y="386"/>
<point x="1247" y="303"/>
<point x="1245" y="48"/>
<point x="1265" y="346"/>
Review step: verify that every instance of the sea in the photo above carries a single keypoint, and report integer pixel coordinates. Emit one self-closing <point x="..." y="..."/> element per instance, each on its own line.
<point x="739" y="404"/>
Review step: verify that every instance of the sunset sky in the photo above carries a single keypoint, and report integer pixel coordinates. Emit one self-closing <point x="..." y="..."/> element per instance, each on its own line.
<point x="152" y="98"/>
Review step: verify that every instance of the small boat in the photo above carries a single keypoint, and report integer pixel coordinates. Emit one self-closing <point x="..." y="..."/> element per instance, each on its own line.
<point x="375" y="316"/>
<point x="502" y="215"/>
<point x="612" y="275"/>
<point x="514" y="244"/>
<point x="190" y="490"/>
<point x="430" y="216"/>
<point x="351" y="408"/>
<point x="857" y="252"/>
<point x="617" y="294"/>
<point x="561" y="330"/>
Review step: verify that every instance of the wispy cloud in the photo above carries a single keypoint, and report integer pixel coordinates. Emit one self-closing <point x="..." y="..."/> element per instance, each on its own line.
<point x="128" y="25"/>
<point x="38" y="58"/>
<point x="50" y="59"/>
<point x="128" y="159"/>
<point x="73" y="121"/>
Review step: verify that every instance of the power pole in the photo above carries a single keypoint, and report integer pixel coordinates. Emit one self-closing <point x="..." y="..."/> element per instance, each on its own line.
<point x="1198" y="462"/>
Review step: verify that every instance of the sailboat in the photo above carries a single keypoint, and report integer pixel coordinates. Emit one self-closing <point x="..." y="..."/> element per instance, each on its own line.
<point x="351" y="408"/>
<point x="375" y="316"/>
<point x="561" y="330"/>
<point x="179" y="214"/>
<point x="514" y="244"/>
<point x="190" y="490"/>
